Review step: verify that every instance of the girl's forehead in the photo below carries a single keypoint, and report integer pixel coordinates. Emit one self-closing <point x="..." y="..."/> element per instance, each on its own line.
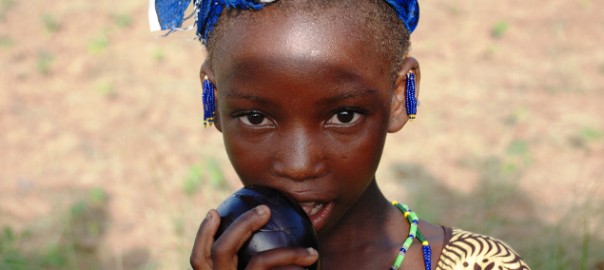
<point x="280" y="35"/>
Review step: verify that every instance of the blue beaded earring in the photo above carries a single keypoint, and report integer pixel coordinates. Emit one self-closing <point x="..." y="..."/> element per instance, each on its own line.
<point x="411" y="101"/>
<point x="209" y="103"/>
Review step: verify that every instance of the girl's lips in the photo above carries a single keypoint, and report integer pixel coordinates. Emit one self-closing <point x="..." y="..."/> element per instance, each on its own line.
<point x="318" y="212"/>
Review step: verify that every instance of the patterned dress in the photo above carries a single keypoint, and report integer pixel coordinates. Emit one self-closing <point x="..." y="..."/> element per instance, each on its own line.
<point x="466" y="250"/>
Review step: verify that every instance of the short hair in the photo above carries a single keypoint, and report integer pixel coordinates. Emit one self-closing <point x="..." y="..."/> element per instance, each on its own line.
<point x="389" y="30"/>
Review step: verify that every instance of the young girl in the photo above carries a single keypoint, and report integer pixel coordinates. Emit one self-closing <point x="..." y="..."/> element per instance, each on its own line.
<point x="304" y="93"/>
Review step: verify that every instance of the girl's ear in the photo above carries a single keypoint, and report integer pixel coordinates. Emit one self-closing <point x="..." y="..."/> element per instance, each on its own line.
<point x="204" y="73"/>
<point x="217" y="123"/>
<point x="398" y="112"/>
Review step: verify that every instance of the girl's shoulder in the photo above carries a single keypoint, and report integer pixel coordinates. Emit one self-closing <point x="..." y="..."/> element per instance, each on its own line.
<point x="467" y="250"/>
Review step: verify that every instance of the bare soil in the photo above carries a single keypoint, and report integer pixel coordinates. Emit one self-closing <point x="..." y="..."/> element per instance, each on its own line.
<point x="102" y="146"/>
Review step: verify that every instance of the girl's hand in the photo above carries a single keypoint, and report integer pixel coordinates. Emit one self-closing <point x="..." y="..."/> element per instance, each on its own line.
<point x="222" y="254"/>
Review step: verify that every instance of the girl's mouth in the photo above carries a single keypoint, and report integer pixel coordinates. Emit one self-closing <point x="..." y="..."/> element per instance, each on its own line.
<point x="311" y="208"/>
<point x="318" y="212"/>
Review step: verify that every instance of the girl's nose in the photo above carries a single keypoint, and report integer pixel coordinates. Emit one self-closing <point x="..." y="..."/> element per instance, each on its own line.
<point x="299" y="158"/>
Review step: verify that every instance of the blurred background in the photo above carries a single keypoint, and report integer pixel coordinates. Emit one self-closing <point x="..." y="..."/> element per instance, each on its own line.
<point x="105" y="164"/>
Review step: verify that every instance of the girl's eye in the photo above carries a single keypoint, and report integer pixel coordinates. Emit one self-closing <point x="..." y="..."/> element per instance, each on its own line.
<point x="254" y="119"/>
<point x="344" y="117"/>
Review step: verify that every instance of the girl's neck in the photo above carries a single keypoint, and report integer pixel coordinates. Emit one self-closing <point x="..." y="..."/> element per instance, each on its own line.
<point x="372" y="228"/>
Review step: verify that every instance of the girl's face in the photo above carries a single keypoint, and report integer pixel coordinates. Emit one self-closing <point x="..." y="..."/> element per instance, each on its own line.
<point x="304" y="105"/>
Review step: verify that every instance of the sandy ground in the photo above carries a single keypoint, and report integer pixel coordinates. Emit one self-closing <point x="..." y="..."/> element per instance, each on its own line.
<point x="94" y="109"/>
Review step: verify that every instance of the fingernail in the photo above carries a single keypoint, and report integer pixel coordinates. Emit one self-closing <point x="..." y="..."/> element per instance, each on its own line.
<point x="312" y="251"/>
<point x="260" y="210"/>
<point x="209" y="216"/>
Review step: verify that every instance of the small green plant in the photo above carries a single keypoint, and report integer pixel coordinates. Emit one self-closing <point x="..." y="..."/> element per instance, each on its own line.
<point x="99" y="44"/>
<point x="5" y="5"/>
<point x="515" y="117"/>
<point x="14" y="257"/>
<point x="453" y="9"/>
<point x="215" y="174"/>
<point x="106" y="89"/>
<point x="122" y="20"/>
<point x="585" y="136"/>
<point x="498" y="180"/>
<point x="97" y="195"/>
<point x="499" y="29"/>
<point x="85" y="222"/>
<point x="518" y="148"/>
<point x="490" y="50"/>
<point x="192" y="181"/>
<point x="10" y="256"/>
<point x="158" y="55"/>
<point x="50" y="23"/>
<point x="210" y="172"/>
<point x="67" y="243"/>
<point x="55" y="256"/>
<point x="518" y="155"/>
<point x="178" y="224"/>
<point x="78" y="208"/>
<point x="6" y="42"/>
<point x="44" y="62"/>
<point x="591" y="134"/>
<point x="498" y="206"/>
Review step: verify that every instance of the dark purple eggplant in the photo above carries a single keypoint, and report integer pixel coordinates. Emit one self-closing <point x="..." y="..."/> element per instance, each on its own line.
<point x="289" y="226"/>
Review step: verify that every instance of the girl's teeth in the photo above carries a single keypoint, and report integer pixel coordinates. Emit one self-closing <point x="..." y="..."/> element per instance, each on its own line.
<point x="311" y="208"/>
<point x="316" y="209"/>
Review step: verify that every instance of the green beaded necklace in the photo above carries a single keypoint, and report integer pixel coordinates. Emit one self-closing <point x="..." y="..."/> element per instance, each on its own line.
<point x="414" y="233"/>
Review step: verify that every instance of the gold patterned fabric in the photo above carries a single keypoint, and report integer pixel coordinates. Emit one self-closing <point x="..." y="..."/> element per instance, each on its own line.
<point x="466" y="250"/>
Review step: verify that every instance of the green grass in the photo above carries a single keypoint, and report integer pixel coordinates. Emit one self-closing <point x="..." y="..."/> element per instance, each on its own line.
<point x="215" y="175"/>
<point x="51" y="24"/>
<point x="13" y="255"/>
<point x="122" y="20"/>
<point x="516" y="116"/>
<point x="10" y="256"/>
<point x="6" y="42"/>
<point x="69" y="241"/>
<point x="5" y="6"/>
<point x="498" y="206"/>
<point x="565" y="246"/>
<point x="591" y="134"/>
<point x="210" y="172"/>
<point x="518" y="154"/>
<point x="99" y="44"/>
<point x="159" y="55"/>
<point x="499" y="29"/>
<point x="192" y="182"/>
<point x="585" y="137"/>
<point x="106" y="88"/>
<point x="453" y="9"/>
<point x="44" y="62"/>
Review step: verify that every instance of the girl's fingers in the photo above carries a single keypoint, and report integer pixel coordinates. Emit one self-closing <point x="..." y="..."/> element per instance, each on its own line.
<point x="222" y="254"/>
<point x="224" y="250"/>
<point x="201" y="255"/>
<point x="283" y="258"/>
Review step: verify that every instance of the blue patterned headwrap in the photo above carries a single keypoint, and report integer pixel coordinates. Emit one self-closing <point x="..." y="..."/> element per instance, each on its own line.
<point x="170" y="14"/>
